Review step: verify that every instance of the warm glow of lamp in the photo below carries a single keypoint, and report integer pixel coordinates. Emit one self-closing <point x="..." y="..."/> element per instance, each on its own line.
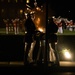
<point x="38" y="21"/>
<point x="40" y="29"/>
<point x="37" y="8"/>
<point x="21" y="11"/>
<point x="27" y="1"/>
<point x="67" y="54"/>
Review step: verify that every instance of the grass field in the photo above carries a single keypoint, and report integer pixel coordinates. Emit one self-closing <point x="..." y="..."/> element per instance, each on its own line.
<point x="3" y="32"/>
<point x="66" y="32"/>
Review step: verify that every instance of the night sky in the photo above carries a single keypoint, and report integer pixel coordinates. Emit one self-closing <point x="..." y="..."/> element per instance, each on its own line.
<point x="63" y="8"/>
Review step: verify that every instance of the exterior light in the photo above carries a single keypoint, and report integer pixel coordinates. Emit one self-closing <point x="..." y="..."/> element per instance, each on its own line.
<point x="27" y="1"/>
<point x="25" y="14"/>
<point x="53" y="16"/>
<point x="21" y="11"/>
<point x="37" y="8"/>
<point x="31" y="12"/>
<point x="67" y="54"/>
<point x="40" y="29"/>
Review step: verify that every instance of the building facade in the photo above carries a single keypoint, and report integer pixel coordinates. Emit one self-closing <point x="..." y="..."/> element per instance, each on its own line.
<point x="12" y="8"/>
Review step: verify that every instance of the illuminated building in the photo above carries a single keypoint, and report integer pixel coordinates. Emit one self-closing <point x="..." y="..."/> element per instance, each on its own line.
<point x="11" y="8"/>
